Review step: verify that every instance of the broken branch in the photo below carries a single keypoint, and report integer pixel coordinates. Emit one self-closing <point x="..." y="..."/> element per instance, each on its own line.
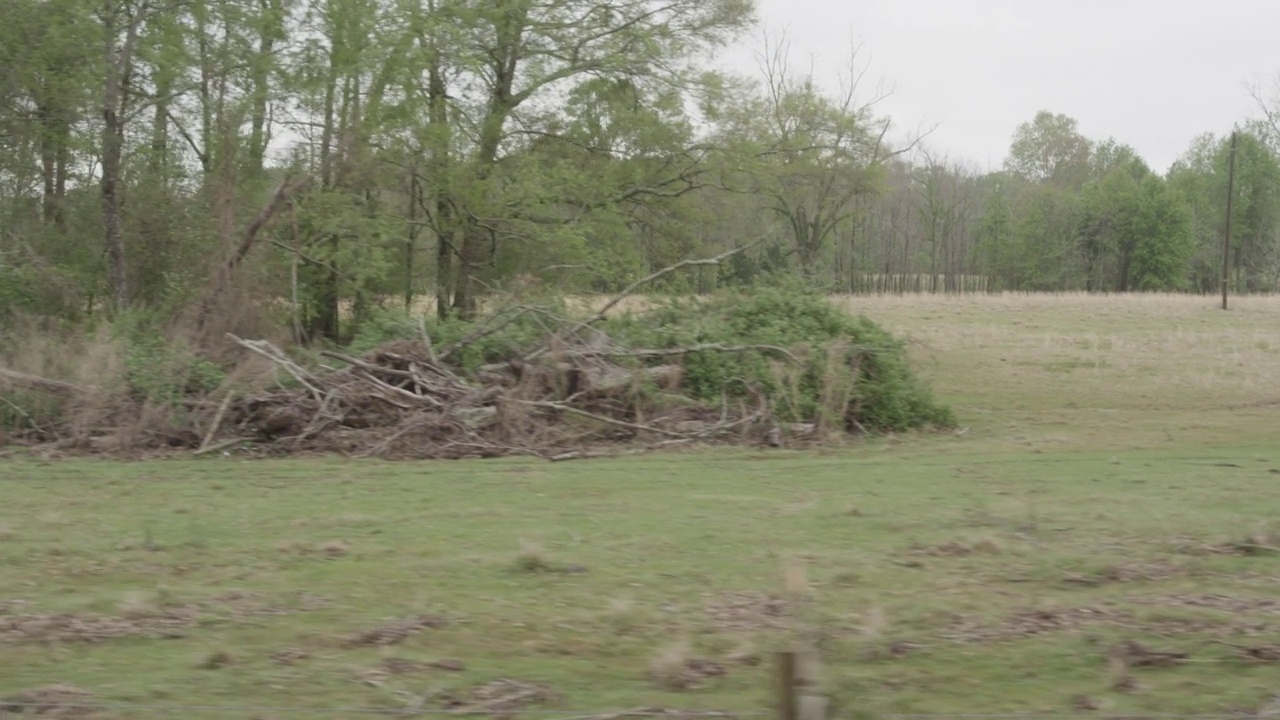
<point x="35" y="382"/>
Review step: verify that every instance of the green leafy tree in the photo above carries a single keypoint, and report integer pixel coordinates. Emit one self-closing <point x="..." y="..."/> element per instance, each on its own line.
<point x="1109" y="226"/>
<point x="1050" y="149"/>
<point x="1164" y="239"/>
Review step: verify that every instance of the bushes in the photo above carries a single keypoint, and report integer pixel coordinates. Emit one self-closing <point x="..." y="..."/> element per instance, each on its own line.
<point x="159" y="368"/>
<point x="127" y="368"/>
<point x="850" y="372"/>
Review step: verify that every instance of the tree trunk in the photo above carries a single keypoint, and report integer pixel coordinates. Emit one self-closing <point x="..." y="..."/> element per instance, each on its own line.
<point x="471" y="256"/>
<point x="438" y="163"/>
<point x="411" y="241"/>
<point x="160" y="137"/>
<point x="268" y="25"/>
<point x="323" y="321"/>
<point x="117" y="69"/>
<point x="444" y="261"/>
<point x="50" y="151"/>
<point x="475" y="249"/>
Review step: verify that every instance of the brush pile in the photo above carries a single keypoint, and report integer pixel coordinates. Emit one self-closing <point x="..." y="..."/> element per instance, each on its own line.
<point x="564" y="400"/>
<point x="768" y="367"/>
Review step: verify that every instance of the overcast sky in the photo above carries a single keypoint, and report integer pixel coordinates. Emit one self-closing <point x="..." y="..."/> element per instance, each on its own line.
<point x="1152" y="73"/>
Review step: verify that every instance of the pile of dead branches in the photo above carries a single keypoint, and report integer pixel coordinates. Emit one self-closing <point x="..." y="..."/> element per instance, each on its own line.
<point x="571" y="397"/>
<point x="576" y="392"/>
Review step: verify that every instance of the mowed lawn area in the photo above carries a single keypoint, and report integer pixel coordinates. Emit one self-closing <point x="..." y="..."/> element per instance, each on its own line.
<point x="1103" y="536"/>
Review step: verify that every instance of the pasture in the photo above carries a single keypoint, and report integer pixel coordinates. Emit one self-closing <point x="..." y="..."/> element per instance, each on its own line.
<point x="1102" y="536"/>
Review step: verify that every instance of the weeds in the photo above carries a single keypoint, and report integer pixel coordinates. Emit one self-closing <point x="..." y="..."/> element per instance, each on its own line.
<point x="532" y="558"/>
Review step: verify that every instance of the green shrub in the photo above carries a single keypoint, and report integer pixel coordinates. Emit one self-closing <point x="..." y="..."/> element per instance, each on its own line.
<point x="158" y="369"/>
<point x="23" y="412"/>
<point x="848" y="371"/>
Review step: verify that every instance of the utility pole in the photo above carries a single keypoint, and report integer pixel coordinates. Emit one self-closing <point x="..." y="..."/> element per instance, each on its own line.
<point x="1226" y="240"/>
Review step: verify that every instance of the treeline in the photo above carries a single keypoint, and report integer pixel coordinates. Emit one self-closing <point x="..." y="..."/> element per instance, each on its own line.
<point x="318" y="155"/>
<point x="1068" y="213"/>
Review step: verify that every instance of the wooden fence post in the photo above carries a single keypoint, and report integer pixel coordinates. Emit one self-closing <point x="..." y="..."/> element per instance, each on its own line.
<point x="788" y="701"/>
<point x="799" y="694"/>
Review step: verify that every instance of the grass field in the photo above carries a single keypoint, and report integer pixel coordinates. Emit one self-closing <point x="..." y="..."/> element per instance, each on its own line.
<point x="1116" y="481"/>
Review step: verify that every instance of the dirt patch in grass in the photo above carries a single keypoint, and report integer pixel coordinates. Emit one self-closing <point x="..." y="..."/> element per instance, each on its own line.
<point x="961" y="548"/>
<point x="1125" y="573"/>
<point x="892" y="650"/>
<point x="502" y="696"/>
<point x="1028" y="622"/>
<point x="1264" y="653"/>
<point x="676" y="668"/>
<point x="8" y="606"/>
<point x="1262" y="544"/>
<point x="246" y="604"/>
<point x="695" y="672"/>
<point x="1225" y="603"/>
<point x="401" y="666"/>
<point x="145" y="618"/>
<point x="395" y="631"/>
<point x="405" y="666"/>
<point x="51" y="701"/>
<point x="92" y="628"/>
<point x="290" y="656"/>
<point x="1133" y="654"/>
<point x="747" y="612"/>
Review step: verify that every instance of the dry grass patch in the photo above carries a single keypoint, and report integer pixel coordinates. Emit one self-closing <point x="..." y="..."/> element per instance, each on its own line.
<point x="982" y="545"/>
<point x="52" y="701"/>
<point x="498" y="698"/>
<point x="1146" y="571"/>
<point x="289" y="656"/>
<point x="532" y="557"/>
<point x="626" y="616"/>
<point x="335" y="548"/>
<point x="747" y="612"/>
<point x="216" y="660"/>
<point x="394" y="631"/>
<point x="1089" y="370"/>
<point x="93" y="628"/>
<point x="674" y="667"/>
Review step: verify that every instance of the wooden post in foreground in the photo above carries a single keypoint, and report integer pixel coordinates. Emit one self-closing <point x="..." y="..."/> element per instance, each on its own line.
<point x="788" y="698"/>
<point x="799" y="695"/>
<point x="1226" y="240"/>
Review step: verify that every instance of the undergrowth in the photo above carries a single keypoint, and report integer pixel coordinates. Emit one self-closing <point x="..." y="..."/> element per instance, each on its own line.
<point x="159" y="368"/>
<point x="125" y="365"/>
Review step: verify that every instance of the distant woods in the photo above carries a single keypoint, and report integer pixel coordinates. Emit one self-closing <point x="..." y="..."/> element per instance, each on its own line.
<point x="328" y="156"/>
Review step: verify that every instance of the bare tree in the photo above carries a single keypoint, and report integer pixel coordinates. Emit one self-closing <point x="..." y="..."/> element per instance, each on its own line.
<point x="815" y="152"/>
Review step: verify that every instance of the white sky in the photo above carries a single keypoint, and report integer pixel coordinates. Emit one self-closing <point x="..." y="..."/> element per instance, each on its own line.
<point x="1151" y="73"/>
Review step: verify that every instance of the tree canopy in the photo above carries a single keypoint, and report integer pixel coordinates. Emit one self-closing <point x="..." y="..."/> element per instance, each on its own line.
<point x="328" y="156"/>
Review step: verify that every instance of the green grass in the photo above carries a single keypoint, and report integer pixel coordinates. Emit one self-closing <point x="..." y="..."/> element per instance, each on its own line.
<point x="1090" y="502"/>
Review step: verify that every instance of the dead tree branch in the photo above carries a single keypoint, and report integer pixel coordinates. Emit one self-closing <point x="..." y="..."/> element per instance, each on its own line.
<point x="35" y="382"/>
